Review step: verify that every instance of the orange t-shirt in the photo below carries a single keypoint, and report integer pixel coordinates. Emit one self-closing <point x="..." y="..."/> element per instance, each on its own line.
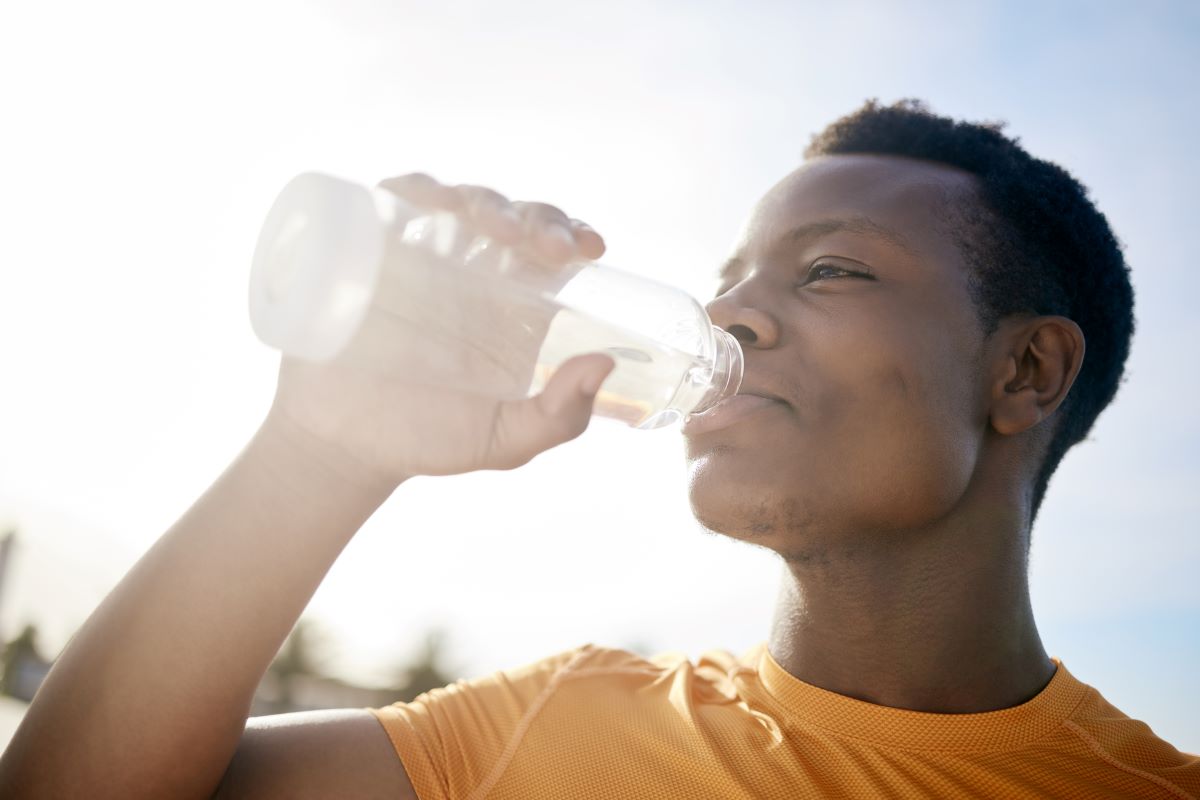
<point x="602" y="723"/>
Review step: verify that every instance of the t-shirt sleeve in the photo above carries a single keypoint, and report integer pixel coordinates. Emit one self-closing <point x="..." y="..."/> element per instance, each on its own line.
<point x="451" y="740"/>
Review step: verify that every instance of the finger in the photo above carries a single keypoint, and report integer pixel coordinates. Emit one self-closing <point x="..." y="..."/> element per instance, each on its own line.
<point x="491" y="213"/>
<point x="548" y="236"/>
<point x="422" y="190"/>
<point x="558" y="414"/>
<point x="589" y="243"/>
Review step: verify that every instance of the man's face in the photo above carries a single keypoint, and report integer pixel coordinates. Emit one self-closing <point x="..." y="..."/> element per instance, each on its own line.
<point x="851" y="301"/>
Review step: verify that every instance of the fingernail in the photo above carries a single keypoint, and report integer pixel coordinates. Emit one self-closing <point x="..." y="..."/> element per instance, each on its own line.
<point x="560" y="234"/>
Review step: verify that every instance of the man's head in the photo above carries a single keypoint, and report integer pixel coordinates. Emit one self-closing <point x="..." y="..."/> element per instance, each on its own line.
<point x="914" y="296"/>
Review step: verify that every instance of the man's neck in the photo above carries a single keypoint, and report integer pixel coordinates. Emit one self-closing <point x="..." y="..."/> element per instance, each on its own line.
<point x="937" y="620"/>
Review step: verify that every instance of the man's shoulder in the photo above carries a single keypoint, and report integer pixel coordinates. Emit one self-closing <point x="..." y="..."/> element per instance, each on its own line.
<point x="1130" y="745"/>
<point x="598" y="663"/>
<point x="598" y="660"/>
<point x="588" y="665"/>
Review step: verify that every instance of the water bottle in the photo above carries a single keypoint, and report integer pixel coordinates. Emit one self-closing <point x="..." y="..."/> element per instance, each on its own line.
<point x="337" y="262"/>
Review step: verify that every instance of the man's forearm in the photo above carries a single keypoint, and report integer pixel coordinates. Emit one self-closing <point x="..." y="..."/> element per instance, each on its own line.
<point x="151" y="696"/>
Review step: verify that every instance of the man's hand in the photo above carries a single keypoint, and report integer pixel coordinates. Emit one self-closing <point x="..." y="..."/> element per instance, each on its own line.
<point x="374" y="412"/>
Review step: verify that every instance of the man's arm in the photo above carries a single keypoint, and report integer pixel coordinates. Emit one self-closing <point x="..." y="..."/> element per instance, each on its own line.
<point x="317" y="755"/>
<point x="150" y="699"/>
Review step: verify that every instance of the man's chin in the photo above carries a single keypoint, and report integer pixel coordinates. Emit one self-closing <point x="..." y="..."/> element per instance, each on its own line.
<point x="737" y="508"/>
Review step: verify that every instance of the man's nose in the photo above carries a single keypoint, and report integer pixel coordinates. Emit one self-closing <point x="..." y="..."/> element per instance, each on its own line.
<point x="748" y="322"/>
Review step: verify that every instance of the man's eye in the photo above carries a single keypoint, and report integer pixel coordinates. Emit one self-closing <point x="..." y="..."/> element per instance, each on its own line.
<point x="827" y="271"/>
<point x="822" y="271"/>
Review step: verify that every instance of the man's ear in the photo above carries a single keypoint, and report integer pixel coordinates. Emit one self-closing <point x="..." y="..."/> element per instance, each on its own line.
<point x="1038" y="360"/>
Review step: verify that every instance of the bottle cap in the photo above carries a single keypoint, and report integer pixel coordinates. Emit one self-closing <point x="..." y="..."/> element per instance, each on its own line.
<point x="315" y="266"/>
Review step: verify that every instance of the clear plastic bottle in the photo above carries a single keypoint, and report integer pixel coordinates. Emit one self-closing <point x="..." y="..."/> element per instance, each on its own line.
<point x="335" y="260"/>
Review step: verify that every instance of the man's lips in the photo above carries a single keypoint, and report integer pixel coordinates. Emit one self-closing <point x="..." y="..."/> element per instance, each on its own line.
<point x="727" y="412"/>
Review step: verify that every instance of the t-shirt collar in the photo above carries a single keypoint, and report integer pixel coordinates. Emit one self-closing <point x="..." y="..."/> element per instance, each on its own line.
<point x="1004" y="729"/>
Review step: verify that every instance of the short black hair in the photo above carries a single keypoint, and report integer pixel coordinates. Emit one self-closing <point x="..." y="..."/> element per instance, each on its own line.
<point x="1036" y="244"/>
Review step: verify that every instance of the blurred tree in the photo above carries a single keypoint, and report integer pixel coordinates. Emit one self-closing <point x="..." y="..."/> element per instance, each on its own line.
<point x="298" y="656"/>
<point x="296" y="680"/>
<point x="24" y="667"/>
<point x="426" y="671"/>
<point x="6" y="547"/>
<point x="641" y="647"/>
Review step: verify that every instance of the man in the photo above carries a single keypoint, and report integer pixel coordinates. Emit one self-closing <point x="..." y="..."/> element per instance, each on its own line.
<point x="914" y="305"/>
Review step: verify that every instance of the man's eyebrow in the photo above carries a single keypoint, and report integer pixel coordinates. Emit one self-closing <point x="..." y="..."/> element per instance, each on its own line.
<point x="864" y="226"/>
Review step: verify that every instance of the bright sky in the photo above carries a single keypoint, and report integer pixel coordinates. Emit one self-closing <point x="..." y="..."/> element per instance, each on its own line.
<point x="144" y="142"/>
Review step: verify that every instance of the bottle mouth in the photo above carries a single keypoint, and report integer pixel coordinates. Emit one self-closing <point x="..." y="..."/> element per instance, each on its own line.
<point x="728" y="365"/>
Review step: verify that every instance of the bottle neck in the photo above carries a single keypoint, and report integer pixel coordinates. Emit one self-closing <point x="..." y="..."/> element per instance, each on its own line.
<point x="726" y="371"/>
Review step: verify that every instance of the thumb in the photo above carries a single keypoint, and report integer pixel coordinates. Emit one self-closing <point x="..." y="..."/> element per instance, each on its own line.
<point x="559" y="413"/>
